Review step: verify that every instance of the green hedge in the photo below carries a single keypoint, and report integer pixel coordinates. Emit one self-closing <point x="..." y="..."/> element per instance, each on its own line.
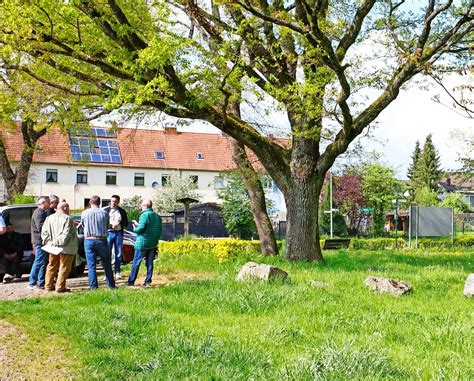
<point x="220" y="249"/>
<point x="389" y="243"/>
<point x="229" y="249"/>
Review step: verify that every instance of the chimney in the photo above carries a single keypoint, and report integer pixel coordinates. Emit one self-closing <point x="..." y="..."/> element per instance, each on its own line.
<point x="448" y="181"/>
<point x="171" y="130"/>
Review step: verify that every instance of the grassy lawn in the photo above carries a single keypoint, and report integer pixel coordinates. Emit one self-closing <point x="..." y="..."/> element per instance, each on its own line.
<point x="220" y="329"/>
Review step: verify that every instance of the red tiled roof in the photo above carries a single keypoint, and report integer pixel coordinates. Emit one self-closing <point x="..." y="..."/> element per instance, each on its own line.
<point x="138" y="149"/>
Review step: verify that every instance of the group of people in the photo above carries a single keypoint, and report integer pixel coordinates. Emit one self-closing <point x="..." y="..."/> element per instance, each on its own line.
<point x="55" y="243"/>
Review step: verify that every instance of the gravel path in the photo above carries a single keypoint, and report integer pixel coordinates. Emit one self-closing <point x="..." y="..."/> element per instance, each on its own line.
<point x="18" y="288"/>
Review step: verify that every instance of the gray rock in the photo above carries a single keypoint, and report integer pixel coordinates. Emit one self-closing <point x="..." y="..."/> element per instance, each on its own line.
<point x="252" y="270"/>
<point x="469" y="286"/>
<point x="318" y="283"/>
<point x="392" y="286"/>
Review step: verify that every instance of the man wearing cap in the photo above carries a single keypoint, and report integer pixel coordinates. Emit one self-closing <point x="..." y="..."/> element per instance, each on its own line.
<point x="95" y="222"/>
<point x="41" y="257"/>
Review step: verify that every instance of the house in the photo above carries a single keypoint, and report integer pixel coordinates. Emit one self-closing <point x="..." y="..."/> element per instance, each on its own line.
<point x="127" y="162"/>
<point x="457" y="183"/>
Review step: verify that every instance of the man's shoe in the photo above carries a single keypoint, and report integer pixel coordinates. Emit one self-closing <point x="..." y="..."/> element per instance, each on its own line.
<point x="146" y="284"/>
<point x="8" y="278"/>
<point x="31" y="287"/>
<point x="39" y="288"/>
<point x="60" y="291"/>
<point x="118" y="276"/>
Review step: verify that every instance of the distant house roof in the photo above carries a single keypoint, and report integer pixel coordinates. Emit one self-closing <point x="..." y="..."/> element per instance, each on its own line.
<point x="453" y="182"/>
<point x="139" y="148"/>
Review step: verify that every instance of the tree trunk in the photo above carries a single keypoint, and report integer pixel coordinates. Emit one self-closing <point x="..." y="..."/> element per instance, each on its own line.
<point x="302" y="202"/>
<point x="16" y="181"/>
<point x="258" y="205"/>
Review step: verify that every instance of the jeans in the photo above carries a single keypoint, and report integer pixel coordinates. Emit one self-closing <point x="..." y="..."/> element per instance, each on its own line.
<point x="94" y="248"/>
<point x="149" y="255"/>
<point x="115" y="240"/>
<point x="39" y="267"/>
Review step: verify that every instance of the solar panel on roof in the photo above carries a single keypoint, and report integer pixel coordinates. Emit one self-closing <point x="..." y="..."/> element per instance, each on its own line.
<point x="95" y="150"/>
<point x="95" y="131"/>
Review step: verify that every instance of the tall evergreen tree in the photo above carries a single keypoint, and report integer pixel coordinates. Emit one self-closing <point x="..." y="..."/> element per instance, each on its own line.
<point x="429" y="172"/>
<point x="415" y="158"/>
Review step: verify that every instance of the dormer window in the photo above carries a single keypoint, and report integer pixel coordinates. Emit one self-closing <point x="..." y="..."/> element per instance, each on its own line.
<point x="160" y="155"/>
<point x="200" y="156"/>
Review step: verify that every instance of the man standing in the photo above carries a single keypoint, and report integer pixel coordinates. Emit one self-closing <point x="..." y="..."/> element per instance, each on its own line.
<point x="60" y="232"/>
<point x="11" y="253"/>
<point x="148" y="233"/>
<point x="95" y="222"/>
<point x="118" y="220"/>
<point x="41" y="257"/>
<point x="53" y="204"/>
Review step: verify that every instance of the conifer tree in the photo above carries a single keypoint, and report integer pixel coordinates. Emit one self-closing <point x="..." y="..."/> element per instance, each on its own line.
<point x="429" y="168"/>
<point x="415" y="158"/>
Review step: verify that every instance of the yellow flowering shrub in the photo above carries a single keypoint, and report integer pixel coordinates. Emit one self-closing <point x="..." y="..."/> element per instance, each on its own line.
<point x="221" y="249"/>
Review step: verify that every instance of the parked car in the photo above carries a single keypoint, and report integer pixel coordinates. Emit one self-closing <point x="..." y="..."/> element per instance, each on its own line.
<point x="20" y="217"/>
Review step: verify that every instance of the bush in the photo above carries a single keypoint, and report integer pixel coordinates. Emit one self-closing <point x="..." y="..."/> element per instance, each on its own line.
<point x="389" y="243"/>
<point x="20" y="198"/>
<point x="220" y="249"/>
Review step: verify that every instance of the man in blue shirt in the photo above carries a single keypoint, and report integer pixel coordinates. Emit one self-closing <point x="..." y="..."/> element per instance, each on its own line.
<point x="95" y="222"/>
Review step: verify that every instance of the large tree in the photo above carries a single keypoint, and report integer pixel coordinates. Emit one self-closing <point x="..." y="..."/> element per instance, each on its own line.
<point x="192" y="59"/>
<point x="29" y="108"/>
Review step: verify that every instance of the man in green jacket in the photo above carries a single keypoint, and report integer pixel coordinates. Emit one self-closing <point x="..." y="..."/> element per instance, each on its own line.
<point x="148" y="232"/>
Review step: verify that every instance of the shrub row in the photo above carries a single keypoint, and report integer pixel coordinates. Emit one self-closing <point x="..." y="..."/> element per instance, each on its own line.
<point x="221" y="249"/>
<point x="389" y="243"/>
<point x="228" y="249"/>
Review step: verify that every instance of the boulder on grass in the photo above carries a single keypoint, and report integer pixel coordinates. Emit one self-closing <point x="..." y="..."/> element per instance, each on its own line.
<point x="256" y="271"/>
<point x="469" y="286"/>
<point x="392" y="286"/>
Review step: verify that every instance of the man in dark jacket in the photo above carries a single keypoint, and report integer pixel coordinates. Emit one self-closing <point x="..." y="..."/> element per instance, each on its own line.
<point x="11" y="253"/>
<point x="41" y="257"/>
<point x="148" y="235"/>
<point x="118" y="221"/>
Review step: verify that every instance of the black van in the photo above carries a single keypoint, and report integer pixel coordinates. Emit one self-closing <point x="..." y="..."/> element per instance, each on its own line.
<point x="20" y="217"/>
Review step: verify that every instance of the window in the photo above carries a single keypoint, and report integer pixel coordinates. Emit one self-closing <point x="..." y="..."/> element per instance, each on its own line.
<point x="165" y="180"/>
<point x="200" y="156"/>
<point x="105" y="202"/>
<point x="218" y="182"/>
<point x="51" y="175"/>
<point x="139" y="179"/>
<point x="81" y="177"/>
<point x="194" y="179"/>
<point x="160" y="155"/>
<point x="111" y="178"/>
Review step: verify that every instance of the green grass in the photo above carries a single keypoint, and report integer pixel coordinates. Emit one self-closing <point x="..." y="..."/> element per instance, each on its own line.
<point x="221" y="329"/>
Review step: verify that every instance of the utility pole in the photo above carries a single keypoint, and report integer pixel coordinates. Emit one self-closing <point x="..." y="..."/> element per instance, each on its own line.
<point x="331" y="209"/>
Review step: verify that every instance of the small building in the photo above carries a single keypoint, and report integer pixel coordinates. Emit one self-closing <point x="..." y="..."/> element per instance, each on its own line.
<point x="205" y="220"/>
<point x="457" y="183"/>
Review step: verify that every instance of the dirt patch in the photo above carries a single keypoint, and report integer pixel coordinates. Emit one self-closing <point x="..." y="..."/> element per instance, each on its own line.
<point x="24" y="359"/>
<point x="18" y="289"/>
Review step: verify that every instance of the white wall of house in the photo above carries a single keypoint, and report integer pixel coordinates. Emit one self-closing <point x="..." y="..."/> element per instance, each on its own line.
<point x="67" y="187"/>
